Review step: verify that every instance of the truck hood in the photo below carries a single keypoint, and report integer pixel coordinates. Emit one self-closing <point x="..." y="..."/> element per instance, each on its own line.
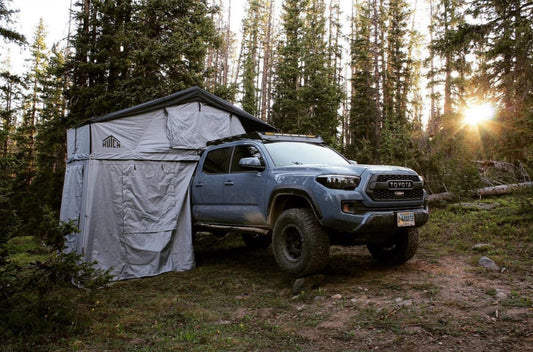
<point x="355" y="169"/>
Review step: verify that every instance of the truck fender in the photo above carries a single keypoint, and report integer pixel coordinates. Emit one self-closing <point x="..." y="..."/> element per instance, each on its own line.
<point x="276" y="206"/>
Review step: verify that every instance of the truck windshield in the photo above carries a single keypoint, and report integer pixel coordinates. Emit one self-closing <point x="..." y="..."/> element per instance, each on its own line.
<point x="297" y="153"/>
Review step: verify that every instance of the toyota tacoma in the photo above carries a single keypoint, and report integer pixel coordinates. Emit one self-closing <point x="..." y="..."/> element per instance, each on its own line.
<point x="302" y="196"/>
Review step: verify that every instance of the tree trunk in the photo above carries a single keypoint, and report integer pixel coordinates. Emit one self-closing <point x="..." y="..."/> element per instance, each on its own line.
<point x="480" y="192"/>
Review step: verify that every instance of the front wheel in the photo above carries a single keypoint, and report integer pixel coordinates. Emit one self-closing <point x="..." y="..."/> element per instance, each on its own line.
<point x="396" y="250"/>
<point x="299" y="243"/>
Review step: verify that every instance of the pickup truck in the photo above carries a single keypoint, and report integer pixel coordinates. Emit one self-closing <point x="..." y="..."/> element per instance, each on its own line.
<point x="302" y="196"/>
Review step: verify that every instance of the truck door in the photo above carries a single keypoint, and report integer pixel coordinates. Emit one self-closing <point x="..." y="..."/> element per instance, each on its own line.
<point x="207" y="191"/>
<point x="244" y="189"/>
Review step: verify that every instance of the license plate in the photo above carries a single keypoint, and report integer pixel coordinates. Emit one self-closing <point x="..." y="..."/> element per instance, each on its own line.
<point x="405" y="219"/>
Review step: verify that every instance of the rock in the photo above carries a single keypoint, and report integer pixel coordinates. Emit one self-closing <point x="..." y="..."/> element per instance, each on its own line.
<point x="500" y="294"/>
<point x="406" y="303"/>
<point x="481" y="247"/>
<point x="488" y="263"/>
<point x="403" y="303"/>
<point x="298" y="286"/>
<point x="285" y="292"/>
<point x="307" y="283"/>
<point x="337" y="296"/>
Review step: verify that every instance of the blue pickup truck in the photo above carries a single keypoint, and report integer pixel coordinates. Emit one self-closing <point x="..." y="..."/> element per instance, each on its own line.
<point x="302" y="196"/>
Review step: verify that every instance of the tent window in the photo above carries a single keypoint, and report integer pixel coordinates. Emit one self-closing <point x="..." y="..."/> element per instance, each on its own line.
<point x="217" y="161"/>
<point x="151" y="191"/>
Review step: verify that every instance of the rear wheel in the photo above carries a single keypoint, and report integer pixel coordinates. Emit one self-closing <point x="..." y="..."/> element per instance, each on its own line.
<point x="299" y="243"/>
<point x="256" y="241"/>
<point x="397" y="249"/>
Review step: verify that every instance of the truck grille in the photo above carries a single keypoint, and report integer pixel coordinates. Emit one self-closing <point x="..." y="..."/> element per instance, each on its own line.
<point x="385" y="178"/>
<point x="379" y="188"/>
<point x="390" y="195"/>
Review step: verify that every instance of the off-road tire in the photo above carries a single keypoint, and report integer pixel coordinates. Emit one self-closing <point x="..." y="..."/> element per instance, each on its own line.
<point x="256" y="241"/>
<point x="299" y="243"/>
<point x="397" y="249"/>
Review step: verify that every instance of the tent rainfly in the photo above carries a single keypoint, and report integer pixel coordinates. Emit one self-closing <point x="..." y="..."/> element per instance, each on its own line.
<point x="127" y="180"/>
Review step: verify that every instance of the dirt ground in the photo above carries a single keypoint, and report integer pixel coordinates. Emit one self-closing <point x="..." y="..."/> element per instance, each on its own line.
<point x="428" y="304"/>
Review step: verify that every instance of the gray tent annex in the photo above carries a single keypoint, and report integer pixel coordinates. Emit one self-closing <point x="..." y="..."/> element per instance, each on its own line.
<point x="127" y="180"/>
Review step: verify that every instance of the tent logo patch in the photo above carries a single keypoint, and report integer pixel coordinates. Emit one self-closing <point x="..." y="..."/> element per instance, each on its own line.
<point x="111" y="142"/>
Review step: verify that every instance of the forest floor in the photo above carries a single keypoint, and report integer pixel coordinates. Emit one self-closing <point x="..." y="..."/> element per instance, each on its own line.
<point x="238" y="299"/>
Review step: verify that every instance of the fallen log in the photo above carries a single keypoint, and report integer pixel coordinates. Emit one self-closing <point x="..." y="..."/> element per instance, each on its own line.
<point x="480" y="192"/>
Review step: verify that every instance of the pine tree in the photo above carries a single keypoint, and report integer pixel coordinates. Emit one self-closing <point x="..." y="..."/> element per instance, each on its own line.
<point x="170" y="52"/>
<point x="288" y="110"/>
<point x="50" y="141"/>
<point x="434" y="120"/>
<point x="24" y="202"/>
<point x="449" y="17"/>
<point x="396" y="135"/>
<point x="7" y="33"/>
<point x="219" y="74"/>
<point x="131" y="52"/>
<point x="10" y="87"/>
<point x="451" y="149"/>
<point x="253" y="33"/>
<point x="503" y="34"/>
<point x="321" y="91"/>
<point x="307" y="94"/>
<point x="268" y="58"/>
<point x="363" y="112"/>
<point x="384" y="79"/>
<point x="255" y="57"/>
<point x="10" y="92"/>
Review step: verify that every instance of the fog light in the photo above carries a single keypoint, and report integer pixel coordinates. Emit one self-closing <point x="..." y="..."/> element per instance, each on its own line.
<point x="350" y="207"/>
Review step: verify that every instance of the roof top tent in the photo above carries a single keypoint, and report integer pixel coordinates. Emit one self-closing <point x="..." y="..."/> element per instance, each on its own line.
<point x="127" y="180"/>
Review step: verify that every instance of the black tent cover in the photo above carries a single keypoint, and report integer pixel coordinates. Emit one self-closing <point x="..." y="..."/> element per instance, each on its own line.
<point x="193" y="94"/>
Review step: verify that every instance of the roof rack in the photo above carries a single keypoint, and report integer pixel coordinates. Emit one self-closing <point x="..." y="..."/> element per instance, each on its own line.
<point x="270" y="137"/>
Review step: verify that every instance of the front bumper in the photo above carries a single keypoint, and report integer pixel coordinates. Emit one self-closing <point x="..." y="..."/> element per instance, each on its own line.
<point x="373" y="221"/>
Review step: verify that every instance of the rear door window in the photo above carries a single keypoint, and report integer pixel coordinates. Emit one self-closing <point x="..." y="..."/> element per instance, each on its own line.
<point x="217" y="161"/>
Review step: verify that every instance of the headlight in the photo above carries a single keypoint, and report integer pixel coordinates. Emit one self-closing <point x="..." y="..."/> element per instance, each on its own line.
<point x="422" y="180"/>
<point x="339" y="181"/>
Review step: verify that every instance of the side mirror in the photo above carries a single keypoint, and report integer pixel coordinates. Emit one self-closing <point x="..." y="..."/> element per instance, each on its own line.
<point x="252" y="163"/>
<point x="353" y="162"/>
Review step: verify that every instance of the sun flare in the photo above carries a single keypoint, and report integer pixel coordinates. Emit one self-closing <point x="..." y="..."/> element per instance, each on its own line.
<point x="476" y="114"/>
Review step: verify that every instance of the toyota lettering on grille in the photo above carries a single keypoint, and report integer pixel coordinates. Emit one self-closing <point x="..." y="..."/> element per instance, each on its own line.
<point x="401" y="184"/>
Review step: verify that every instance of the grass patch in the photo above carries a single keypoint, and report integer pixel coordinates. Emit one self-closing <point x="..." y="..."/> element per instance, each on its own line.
<point x="24" y="250"/>
<point x="507" y="229"/>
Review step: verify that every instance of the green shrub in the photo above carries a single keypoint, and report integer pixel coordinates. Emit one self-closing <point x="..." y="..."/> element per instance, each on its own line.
<point x="33" y="298"/>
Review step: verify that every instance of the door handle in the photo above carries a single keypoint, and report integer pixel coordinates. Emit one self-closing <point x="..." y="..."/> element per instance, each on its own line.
<point x="198" y="184"/>
<point x="229" y="183"/>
